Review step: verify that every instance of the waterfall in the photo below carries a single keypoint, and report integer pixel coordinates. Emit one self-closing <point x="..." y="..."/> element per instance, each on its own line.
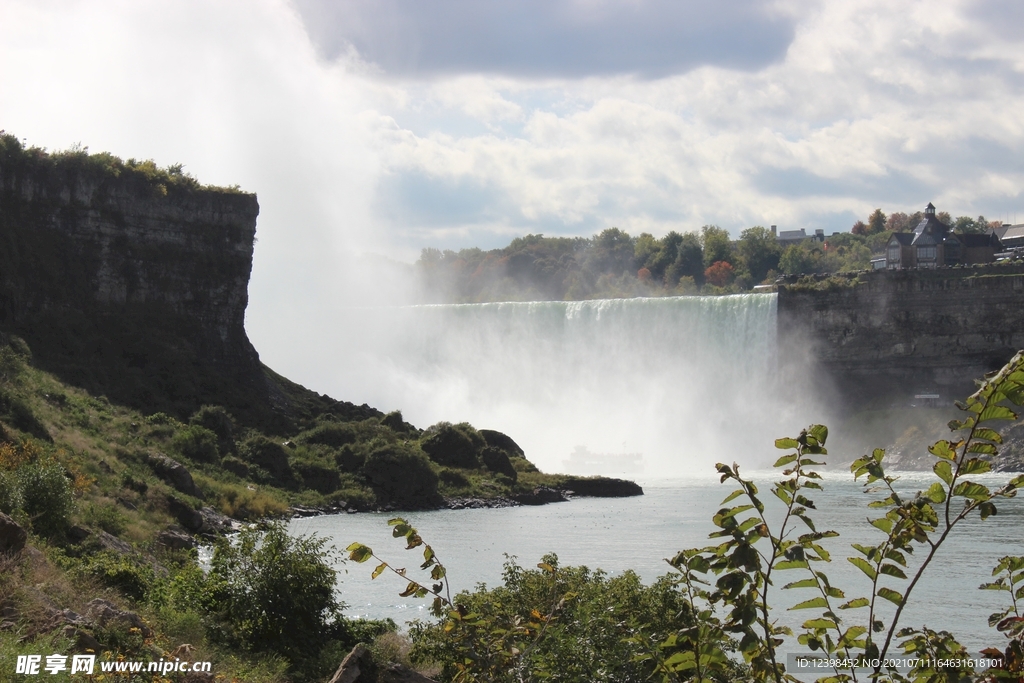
<point x="682" y="381"/>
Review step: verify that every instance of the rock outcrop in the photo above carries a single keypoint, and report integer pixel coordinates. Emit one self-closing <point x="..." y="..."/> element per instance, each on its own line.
<point x="901" y="333"/>
<point x="132" y="282"/>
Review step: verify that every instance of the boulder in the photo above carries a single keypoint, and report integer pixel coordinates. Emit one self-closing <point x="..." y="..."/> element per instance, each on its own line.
<point x="540" y="496"/>
<point x="217" y="523"/>
<point x="187" y="516"/>
<point x="601" y="487"/>
<point x="359" y="667"/>
<point x="175" y="538"/>
<point x="175" y="474"/>
<point x="113" y="543"/>
<point x="12" y="536"/>
<point x="103" y="612"/>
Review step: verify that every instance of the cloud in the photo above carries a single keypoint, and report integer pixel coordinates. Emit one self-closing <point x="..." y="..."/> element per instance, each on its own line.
<point x="550" y="38"/>
<point x="798" y="113"/>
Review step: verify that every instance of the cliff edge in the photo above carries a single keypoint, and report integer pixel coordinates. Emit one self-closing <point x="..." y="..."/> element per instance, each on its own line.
<point x="131" y="281"/>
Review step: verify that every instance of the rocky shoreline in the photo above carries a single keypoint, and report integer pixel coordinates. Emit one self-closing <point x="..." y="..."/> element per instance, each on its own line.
<point x="572" y="488"/>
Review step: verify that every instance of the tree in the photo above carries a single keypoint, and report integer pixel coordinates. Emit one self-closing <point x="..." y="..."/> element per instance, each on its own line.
<point x="859" y="228"/>
<point x="720" y="273"/>
<point x="716" y="244"/>
<point x="797" y="259"/>
<point x="689" y="261"/>
<point x="968" y="225"/>
<point x="898" y="222"/>
<point x="760" y="251"/>
<point x="876" y="222"/>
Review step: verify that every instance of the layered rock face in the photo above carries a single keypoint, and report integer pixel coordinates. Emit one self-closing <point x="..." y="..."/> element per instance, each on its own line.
<point x="902" y="333"/>
<point x="128" y="280"/>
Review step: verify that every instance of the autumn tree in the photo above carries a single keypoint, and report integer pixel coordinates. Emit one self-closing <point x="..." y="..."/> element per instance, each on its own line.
<point x="720" y="273"/>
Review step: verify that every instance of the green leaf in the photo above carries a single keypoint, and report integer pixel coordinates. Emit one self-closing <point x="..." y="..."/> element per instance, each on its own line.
<point x="792" y="564"/>
<point x="802" y="583"/>
<point x="735" y="494"/>
<point x="971" y="490"/>
<point x="936" y="493"/>
<point x="380" y="568"/>
<point x="808" y="604"/>
<point x="987" y="509"/>
<point x="865" y="550"/>
<point x="819" y="622"/>
<point x="892" y="570"/>
<point x="943" y="449"/>
<point x="819" y="432"/>
<point x="883" y="523"/>
<point x="989" y="434"/>
<point x="784" y="460"/>
<point x="357" y="552"/>
<point x="783" y="444"/>
<point x="862" y="564"/>
<point x="890" y="595"/>
<point x="976" y="465"/>
<point x="996" y="412"/>
<point x="855" y="603"/>
<point x="944" y="471"/>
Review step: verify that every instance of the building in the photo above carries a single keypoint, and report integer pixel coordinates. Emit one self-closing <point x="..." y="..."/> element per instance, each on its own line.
<point x="788" y="237"/>
<point x="933" y="245"/>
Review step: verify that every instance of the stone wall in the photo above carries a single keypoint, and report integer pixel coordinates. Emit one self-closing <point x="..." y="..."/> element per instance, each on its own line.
<point x="906" y="332"/>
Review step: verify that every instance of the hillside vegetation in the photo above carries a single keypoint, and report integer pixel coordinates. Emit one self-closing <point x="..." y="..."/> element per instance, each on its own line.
<point x="114" y="502"/>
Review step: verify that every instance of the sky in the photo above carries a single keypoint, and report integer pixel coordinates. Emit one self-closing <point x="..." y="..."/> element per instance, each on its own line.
<point x="380" y="128"/>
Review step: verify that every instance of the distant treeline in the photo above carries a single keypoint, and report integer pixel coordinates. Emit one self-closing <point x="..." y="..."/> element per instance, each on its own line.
<point x="614" y="264"/>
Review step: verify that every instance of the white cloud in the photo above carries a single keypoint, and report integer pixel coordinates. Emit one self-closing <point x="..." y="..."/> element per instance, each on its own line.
<point x="848" y="106"/>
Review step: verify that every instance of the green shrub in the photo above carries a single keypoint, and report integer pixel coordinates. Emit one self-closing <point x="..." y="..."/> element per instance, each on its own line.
<point x="218" y="421"/>
<point x="269" y="455"/>
<point x="497" y="461"/>
<point x="106" y="517"/>
<point x="277" y="594"/>
<point x="196" y="443"/>
<point x="18" y="414"/>
<point x="46" y="496"/>
<point x="137" y="485"/>
<point x="453" y="478"/>
<point x="349" y="459"/>
<point x="335" y="434"/>
<point x="125" y="573"/>
<point x="592" y="624"/>
<point x="317" y="476"/>
<point x="10" y="493"/>
<point x="451" y="446"/>
<point x="400" y="472"/>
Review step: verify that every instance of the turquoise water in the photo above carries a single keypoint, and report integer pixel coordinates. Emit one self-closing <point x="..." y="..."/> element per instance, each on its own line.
<point x="639" y="533"/>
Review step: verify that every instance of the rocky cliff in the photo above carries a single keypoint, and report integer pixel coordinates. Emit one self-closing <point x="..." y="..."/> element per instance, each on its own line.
<point x="906" y="332"/>
<point x="131" y="281"/>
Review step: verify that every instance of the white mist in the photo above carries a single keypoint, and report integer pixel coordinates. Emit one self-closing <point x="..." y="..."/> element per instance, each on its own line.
<point x="684" y="381"/>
